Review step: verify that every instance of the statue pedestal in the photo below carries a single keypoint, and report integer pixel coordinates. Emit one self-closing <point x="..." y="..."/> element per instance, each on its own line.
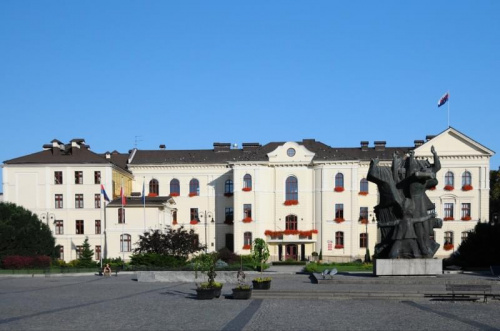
<point x="407" y="267"/>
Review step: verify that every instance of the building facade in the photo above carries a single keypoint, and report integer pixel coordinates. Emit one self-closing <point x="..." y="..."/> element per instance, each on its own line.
<point x="301" y="197"/>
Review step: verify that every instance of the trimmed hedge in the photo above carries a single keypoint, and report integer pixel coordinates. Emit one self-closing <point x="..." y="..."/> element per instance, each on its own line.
<point x="26" y="262"/>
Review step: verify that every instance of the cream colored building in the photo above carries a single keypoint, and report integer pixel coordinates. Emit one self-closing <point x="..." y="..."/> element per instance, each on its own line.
<point x="301" y="197"/>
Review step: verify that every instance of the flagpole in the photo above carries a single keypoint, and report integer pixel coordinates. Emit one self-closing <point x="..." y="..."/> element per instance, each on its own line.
<point x="448" y="108"/>
<point x="100" y="232"/>
<point x="122" y="194"/>
<point x="144" y="200"/>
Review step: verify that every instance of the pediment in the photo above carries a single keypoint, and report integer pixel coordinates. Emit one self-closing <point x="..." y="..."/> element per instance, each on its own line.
<point x="452" y="142"/>
<point x="291" y="152"/>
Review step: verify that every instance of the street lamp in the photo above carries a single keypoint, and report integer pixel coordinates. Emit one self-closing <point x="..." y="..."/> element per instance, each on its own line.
<point x="206" y="216"/>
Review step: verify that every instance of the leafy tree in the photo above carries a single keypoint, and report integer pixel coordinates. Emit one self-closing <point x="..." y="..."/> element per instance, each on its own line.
<point x="177" y="242"/>
<point x="260" y="253"/>
<point x="86" y="255"/>
<point x="495" y="192"/>
<point x="480" y="249"/>
<point x="22" y="233"/>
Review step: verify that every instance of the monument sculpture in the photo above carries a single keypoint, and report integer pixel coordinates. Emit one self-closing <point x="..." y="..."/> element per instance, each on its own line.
<point x="405" y="214"/>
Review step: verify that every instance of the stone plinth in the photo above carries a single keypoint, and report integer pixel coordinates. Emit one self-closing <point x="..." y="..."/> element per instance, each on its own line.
<point x="407" y="267"/>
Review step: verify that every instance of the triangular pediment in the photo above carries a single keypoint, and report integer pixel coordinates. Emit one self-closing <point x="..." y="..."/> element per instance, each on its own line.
<point x="452" y="142"/>
<point x="291" y="152"/>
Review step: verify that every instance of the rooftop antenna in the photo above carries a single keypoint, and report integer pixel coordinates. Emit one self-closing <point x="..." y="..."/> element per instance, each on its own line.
<point x="136" y="140"/>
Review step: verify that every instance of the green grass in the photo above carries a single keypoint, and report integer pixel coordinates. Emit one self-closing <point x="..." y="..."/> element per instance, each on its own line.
<point x="341" y="267"/>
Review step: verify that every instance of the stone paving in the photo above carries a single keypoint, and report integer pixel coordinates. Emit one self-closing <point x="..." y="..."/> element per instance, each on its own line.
<point x="121" y="303"/>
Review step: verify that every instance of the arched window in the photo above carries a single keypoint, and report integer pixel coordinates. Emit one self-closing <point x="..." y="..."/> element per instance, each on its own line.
<point x="125" y="243"/>
<point x="466" y="178"/>
<point x="339" y="182"/>
<point x="247" y="182"/>
<point x="154" y="187"/>
<point x="363" y="186"/>
<point x="291" y="222"/>
<point x="247" y="239"/>
<point x="449" y="179"/>
<point x="175" y="188"/>
<point x="228" y="187"/>
<point x="121" y="215"/>
<point x="292" y="189"/>
<point x="339" y="239"/>
<point x="194" y="187"/>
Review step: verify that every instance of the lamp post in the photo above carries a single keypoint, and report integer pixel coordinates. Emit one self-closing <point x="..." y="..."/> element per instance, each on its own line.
<point x="205" y="216"/>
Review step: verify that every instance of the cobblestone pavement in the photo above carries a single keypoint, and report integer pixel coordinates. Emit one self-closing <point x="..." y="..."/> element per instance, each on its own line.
<point x="120" y="303"/>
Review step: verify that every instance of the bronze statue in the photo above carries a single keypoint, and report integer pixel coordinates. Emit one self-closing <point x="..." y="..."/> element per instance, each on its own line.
<point x="405" y="214"/>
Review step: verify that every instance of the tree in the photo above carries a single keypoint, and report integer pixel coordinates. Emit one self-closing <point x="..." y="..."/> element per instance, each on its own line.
<point x="22" y="233"/>
<point x="177" y="242"/>
<point x="260" y="253"/>
<point x="86" y="255"/>
<point x="495" y="192"/>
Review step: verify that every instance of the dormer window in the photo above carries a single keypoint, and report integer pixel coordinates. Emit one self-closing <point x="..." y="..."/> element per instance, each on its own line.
<point x="290" y="152"/>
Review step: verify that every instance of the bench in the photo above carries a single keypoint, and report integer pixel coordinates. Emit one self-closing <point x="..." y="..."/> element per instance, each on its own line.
<point x="463" y="292"/>
<point x="114" y="270"/>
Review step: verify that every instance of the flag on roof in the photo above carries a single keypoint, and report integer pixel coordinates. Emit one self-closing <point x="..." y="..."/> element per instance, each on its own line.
<point x="122" y="195"/>
<point x="103" y="192"/>
<point x="443" y="99"/>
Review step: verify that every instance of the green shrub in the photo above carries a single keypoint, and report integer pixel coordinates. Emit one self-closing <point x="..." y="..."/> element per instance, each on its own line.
<point x="157" y="260"/>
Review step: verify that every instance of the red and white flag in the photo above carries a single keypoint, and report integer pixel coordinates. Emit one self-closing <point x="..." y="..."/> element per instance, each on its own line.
<point x="122" y="195"/>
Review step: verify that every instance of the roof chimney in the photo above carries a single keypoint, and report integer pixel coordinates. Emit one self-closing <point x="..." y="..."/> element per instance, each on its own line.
<point x="429" y="137"/>
<point x="222" y="147"/>
<point x="108" y="155"/>
<point x="364" y="145"/>
<point x="247" y="147"/>
<point x="162" y="147"/>
<point x="418" y="143"/>
<point x="379" y="145"/>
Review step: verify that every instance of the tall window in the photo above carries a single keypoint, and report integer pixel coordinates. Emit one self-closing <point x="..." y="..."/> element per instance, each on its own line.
<point x="97" y="200"/>
<point x="195" y="217"/>
<point x="61" y="252"/>
<point x="449" y="179"/>
<point x="292" y="188"/>
<point x="174" y="217"/>
<point x="97" y="177"/>
<point x="79" y="227"/>
<point x="247" y="210"/>
<point x="363" y="213"/>
<point x="78" y="200"/>
<point x="363" y="240"/>
<point x="79" y="250"/>
<point x="78" y="177"/>
<point x="466" y="178"/>
<point x="58" y="177"/>
<point x="247" y="239"/>
<point x="154" y="187"/>
<point x="339" y="180"/>
<point x="448" y="210"/>
<point x="229" y="215"/>
<point x="466" y="211"/>
<point x="363" y="185"/>
<point x="125" y="243"/>
<point x="175" y="188"/>
<point x="247" y="182"/>
<point x="58" y="201"/>
<point x="121" y="215"/>
<point x="448" y="237"/>
<point x="97" y="226"/>
<point x="465" y="235"/>
<point x="339" y="239"/>
<point x="291" y="222"/>
<point x="194" y="187"/>
<point x="98" y="252"/>
<point x="59" y="227"/>
<point x="228" y="187"/>
<point x="339" y="210"/>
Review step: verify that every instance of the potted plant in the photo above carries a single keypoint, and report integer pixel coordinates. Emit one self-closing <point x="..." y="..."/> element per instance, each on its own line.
<point x="242" y="291"/>
<point x="206" y="264"/>
<point x="260" y="254"/>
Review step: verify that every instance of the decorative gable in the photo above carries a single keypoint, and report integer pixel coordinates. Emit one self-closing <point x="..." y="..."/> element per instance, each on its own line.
<point x="291" y="152"/>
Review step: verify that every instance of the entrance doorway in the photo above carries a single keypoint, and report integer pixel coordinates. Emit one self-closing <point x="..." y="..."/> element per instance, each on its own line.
<point x="291" y="252"/>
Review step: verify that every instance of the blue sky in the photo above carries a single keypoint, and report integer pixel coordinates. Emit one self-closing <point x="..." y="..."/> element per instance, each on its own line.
<point x="190" y="73"/>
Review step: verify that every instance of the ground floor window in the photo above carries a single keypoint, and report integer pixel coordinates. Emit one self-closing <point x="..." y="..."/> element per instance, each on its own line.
<point x="125" y="243"/>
